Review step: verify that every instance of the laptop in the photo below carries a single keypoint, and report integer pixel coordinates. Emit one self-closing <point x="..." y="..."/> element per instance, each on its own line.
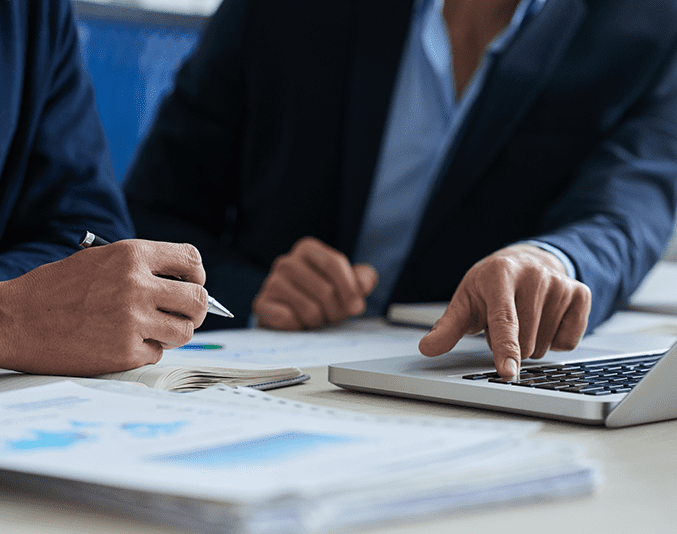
<point x="589" y="385"/>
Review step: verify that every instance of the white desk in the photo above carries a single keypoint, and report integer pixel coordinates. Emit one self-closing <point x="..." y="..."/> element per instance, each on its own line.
<point x="638" y="494"/>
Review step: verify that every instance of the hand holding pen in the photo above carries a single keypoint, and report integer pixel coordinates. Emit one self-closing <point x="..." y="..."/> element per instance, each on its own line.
<point x="91" y="240"/>
<point x="104" y="309"/>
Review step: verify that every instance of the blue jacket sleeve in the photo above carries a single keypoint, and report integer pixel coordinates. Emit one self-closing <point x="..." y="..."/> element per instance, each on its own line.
<point x="619" y="214"/>
<point x="57" y="180"/>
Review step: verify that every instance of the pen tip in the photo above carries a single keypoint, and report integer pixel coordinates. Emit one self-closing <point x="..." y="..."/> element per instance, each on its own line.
<point x="219" y="309"/>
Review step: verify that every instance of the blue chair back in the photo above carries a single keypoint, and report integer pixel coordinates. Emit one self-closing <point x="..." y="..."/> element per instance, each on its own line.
<point x="132" y="56"/>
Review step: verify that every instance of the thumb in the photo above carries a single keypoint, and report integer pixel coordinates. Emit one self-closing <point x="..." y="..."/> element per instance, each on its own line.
<point x="447" y="331"/>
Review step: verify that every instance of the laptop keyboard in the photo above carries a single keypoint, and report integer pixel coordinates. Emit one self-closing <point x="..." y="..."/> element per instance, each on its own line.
<point x="596" y="377"/>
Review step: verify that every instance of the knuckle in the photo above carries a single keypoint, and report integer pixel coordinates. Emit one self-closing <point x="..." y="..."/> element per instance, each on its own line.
<point x="286" y="265"/>
<point x="311" y="314"/>
<point x="325" y="292"/>
<point x="502" y="317"/>
<point x="510" y="347"/>
<point x="583" y="294"/>
<point x="273" y="287"/>
<point x="190" y="253"/>
<point x="199" y="296"/>
<point x="566" y="344"/>
<point x="135" y="289"/>
<point x="503" y="263"/>
<point x="128" y="251"/>
<point x="282" y="264"/>
<point x="306" y="243"/>
<point x="184" y="332"/>
<point x="278" y="317"/>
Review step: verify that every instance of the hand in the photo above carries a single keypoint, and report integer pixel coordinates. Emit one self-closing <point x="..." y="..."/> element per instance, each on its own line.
<point x="523" y="300"/>
<point x="102" y="309"/>
<point x="311" y="286"/>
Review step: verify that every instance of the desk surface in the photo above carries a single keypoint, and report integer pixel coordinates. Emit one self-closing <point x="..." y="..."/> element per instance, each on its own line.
<point x="639" y="466"/>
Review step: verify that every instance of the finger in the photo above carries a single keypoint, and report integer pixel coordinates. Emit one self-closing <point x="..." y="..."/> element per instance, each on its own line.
<point x="279" y="290"/>
<point x="307" y="281"/>
<point x="367" y="277"/>
<point x="167" y="329"/>
<point x="448" y="329"/>
<point x="182" y="298"/>
<point x="502" y="322"/>
<point x="575" y="320"/>
<point x="276" y="315"/>
<point x="150" y="353"/>
<point x="178" y="260"/>
<point x="551" y="318"/>
<point x="529" y="308"/>
<point x="335" y="268"/>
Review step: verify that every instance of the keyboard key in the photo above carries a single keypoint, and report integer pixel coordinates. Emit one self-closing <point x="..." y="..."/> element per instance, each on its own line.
<point x="596" y="392"/>
<point x="601" y="377"/>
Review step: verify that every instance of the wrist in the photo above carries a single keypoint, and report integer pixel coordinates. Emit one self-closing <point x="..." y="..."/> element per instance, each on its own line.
<point x="562" y="259"/>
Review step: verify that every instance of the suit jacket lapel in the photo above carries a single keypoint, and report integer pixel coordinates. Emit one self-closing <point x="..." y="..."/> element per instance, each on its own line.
<point x="517" y="77"/>
<point x="380" y="33"/>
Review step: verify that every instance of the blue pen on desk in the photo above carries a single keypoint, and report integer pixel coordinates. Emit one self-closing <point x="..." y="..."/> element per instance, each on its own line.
<point x="91" y="240"/>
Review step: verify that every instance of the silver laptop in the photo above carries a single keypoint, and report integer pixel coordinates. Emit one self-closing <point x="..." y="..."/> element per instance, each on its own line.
<point x="588" y="385"/>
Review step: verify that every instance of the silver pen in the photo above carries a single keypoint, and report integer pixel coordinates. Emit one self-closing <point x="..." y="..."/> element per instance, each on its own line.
<point x="91" y="240"/>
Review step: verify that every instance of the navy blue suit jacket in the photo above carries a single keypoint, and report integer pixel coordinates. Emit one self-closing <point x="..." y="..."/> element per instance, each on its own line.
<point x="56" y="180"/>
<point x="273" y="130"/>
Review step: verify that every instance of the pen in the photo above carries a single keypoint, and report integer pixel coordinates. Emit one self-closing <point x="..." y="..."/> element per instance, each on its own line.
<point x="91" y="240"/>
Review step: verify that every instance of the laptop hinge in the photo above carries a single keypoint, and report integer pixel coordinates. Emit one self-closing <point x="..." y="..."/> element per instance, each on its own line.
<point x="654" y="398"/>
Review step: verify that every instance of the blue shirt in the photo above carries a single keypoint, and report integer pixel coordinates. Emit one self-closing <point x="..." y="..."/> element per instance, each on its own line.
<point x="424" y="118"/>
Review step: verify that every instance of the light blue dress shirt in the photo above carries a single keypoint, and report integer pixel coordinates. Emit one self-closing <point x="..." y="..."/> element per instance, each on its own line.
<point x="425" y="116"/>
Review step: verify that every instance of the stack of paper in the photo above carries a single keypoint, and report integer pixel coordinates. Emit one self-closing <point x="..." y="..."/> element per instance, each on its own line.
<point x="239" y="460"/>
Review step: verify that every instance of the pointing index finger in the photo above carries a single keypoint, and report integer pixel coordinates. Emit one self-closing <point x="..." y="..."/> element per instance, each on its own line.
<point x="503" y="327"/>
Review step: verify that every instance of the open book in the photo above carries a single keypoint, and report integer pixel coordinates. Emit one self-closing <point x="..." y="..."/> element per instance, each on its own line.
<point x="177" y="377"/>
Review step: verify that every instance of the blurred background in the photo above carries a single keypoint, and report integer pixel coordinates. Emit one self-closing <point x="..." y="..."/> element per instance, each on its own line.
<point x="132" y="49"/>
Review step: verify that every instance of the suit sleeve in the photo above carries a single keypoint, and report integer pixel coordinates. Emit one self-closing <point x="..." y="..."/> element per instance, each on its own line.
<point x="65" y="181"/>
<point x="183" y="182"/>
<point x="619" y="214"/>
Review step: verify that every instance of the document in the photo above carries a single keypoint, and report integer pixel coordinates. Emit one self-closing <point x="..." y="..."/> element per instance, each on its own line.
<point x="238" y="460"/>
<point x="357" y="339"/>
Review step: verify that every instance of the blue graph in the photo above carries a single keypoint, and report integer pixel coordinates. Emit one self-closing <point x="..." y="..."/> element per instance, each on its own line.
<point x="47" y="440"/>
<point x="153" y="430"/>
<point x="264" y="449"/>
